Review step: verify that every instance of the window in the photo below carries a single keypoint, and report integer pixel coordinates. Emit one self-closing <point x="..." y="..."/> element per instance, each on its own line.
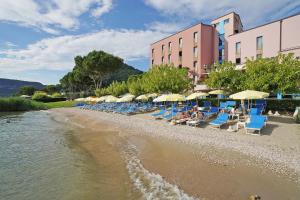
<point x="162" y="48"/>
<point x="195" y="65"/>
<point x="169" y="58"/>
<point x="196" y="37"/>
<point x="238" y="49"/>
<point x="226" y="21"/>
<point x="258" y="56"/>
<point x="170" y="46"/>
<point x="152" y="53"/>
<point x="162" y="59"/>
<point x="179" y="66"/>
<point x="180" y="42"/>
<point x="238" y="61"/>
<point x="152" y="62"/>
<point x="195" y="52"/>
<point x="259" y="43"/>
<point x="180" y="53"/>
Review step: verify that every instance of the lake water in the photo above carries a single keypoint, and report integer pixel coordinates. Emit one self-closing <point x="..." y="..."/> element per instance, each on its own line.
<point x="38" y="160"/>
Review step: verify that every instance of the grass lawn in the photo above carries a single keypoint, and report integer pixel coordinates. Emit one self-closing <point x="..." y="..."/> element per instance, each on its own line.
<point x="60" y="104"/>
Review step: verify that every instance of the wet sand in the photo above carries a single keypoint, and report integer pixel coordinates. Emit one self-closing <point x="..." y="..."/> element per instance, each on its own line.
<point x="202" y="171"/>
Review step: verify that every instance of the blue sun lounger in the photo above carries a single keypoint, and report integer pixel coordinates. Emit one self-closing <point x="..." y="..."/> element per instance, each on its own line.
<point x="257" y="122"/>
<point x="161" y="112"/>
<point x="220" y="120"/>
<point x="168" y="117"/>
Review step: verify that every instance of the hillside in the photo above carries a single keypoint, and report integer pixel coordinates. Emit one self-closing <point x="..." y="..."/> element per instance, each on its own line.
<point x="9" y="86"/>
<point x="122" y="74"/>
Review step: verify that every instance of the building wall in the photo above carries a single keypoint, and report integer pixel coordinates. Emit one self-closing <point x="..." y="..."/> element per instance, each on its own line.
<point x="291" y="35"/>
<point x="204" y="45"/>
<point x="290" y="40"/>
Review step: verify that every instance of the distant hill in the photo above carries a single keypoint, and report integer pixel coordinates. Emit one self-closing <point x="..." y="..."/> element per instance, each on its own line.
<point x="9" y="86"/>
<point x="122" y="74"/>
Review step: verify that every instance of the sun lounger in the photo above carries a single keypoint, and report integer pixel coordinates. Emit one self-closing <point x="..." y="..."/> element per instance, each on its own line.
<point x="213" y="111"/>
<point x="257" y="122"/>
<point x="161" y="112"/>
<point x="168" y="117"/>
<point x="220" y="120"/>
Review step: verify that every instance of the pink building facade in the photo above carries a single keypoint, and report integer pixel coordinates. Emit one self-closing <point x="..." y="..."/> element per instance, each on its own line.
<point x="200" y="46"/>
<point x="282" y="36"/>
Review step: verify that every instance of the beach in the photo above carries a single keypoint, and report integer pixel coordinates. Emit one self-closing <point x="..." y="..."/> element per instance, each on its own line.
<point x="154" y="159"/>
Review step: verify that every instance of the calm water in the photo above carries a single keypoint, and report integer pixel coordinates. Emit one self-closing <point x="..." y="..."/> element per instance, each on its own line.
<point x="39" y="160"/>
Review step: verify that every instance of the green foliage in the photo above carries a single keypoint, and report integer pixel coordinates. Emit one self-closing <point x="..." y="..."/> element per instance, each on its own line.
<point x="159" y="79"/>
<point x="226" y="77"/>
<point x="26" y="90"/>
<point x="165" y="79"/>
<point x="101" y="92"/>
<point x="51" y="89"/>
<point x="136" y="85"/>
<point x="98" y="64"/>
<point x="60" y="104"/>
<point x="19" y="104"/>
<point x="93" y="71"/>
<point x="278" y="74"/>
<point x="282" y="105"/>
<point x="117" y="88"/>
<point x="40" y="95"/>
<point x="56" y="95"/>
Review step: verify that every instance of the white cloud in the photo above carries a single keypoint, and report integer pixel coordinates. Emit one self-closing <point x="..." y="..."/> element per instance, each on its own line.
<point x="51" y="15"/>
<point x="58" y="53"/>
<point x="251" y="11"/>
<point x="167" y="27"/>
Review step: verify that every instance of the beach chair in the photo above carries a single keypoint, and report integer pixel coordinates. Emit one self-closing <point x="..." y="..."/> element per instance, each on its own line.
<point x="206" y="104"/>
<point x="212" y="111"/>
<point x="220" y="120"/>
<point x="161" y="112"/>
<point x="169" y="116"/>
<point x="223" y="105"/>
<point x="257" y="122"/>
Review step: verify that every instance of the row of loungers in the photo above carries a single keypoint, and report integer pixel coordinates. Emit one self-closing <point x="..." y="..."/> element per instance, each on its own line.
<point x="256" y="121"/>
<point x="122" y="108"/>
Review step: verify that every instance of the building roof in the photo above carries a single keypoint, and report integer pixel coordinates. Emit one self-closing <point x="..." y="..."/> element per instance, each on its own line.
<point x="266" y="24"/>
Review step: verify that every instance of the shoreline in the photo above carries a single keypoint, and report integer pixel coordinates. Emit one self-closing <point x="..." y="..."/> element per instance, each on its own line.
<point x="220" y="149"/>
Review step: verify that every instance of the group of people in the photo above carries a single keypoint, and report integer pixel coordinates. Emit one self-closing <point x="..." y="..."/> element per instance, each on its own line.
<point x="195" y="115"/>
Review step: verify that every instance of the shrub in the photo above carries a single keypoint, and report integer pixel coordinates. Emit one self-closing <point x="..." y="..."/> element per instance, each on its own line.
<point x="39" y="95"/>
<point x="19" y="104"/>
<point x="56" y="95"/>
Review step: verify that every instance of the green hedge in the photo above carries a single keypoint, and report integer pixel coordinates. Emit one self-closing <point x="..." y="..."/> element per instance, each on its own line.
<point x="272" y="104"/>
<point x="51" y="99"/>
<point x="19" y="104"/>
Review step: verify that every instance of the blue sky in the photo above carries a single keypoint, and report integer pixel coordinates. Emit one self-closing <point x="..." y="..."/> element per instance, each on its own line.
<point x="40" y="38"/>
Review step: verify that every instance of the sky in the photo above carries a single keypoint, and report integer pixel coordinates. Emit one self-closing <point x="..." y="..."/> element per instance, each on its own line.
<point x="40" y="38"/>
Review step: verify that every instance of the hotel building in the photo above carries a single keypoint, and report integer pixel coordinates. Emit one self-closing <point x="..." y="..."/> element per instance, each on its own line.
<point x="200" y="46"/>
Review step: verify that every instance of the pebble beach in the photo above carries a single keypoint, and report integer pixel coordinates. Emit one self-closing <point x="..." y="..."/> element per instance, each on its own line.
<point x="276" y="151"/>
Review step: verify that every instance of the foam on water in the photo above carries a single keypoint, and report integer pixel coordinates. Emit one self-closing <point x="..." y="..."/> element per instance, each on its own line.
<point x="153" y="186"/>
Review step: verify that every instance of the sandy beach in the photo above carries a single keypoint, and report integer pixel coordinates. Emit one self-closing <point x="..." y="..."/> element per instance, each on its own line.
<point x="202" y="163"/>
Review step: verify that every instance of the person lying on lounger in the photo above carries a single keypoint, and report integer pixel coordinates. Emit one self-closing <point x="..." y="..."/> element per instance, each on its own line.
<point x="181" y="118"/>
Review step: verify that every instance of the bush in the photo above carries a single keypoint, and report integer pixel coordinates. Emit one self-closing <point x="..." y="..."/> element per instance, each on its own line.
<point x="19" y="104"/>
<point x="56" y="95"/>
<point x="40" y="96"/>
<point x="283" y="105"/>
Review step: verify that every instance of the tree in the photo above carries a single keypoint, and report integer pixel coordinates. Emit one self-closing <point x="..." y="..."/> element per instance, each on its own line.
<point x="226" y="77"/>
<point x="50" y="89"/>
<point x="27" y="90"/>
<point x="279" y="74"/>
<point x="99" y="64"/>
